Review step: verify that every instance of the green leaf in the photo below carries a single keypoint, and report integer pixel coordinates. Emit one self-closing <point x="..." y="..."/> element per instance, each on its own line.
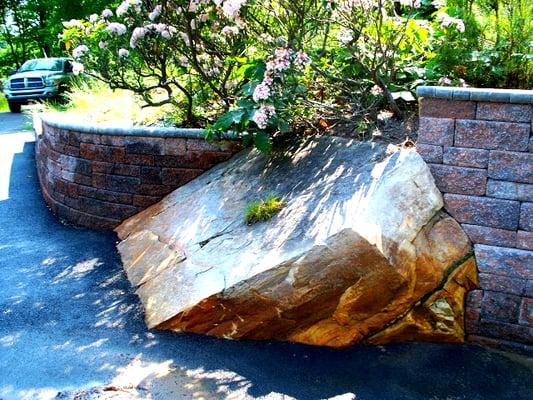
<point x="257" y="71"/>
<point x="226" y="120"/>
<point x="245" y="103"/>
<point x="262" y="142"/>
<point x="248" y="89"/>
<point x="246" y="138"/>
<point x="283" y="126"/>
<point x="209" y="133"/>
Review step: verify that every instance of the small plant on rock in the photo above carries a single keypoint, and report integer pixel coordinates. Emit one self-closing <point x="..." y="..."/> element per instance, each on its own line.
<point x="263" y="210"/>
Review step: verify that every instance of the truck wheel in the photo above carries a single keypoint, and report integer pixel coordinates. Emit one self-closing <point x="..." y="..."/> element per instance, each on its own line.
<point x="15" y="107"/>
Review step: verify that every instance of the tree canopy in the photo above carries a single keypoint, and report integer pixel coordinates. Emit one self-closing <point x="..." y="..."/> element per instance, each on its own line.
<point x="30" y="28"/>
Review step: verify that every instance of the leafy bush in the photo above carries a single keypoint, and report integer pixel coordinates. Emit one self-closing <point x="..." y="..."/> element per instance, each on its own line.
<point x="266" y="102"/>
<point x="258" y="69"/>
<point x="495" y="49"/>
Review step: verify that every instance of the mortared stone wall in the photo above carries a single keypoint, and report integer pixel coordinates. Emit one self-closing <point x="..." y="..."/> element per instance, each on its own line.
<point x="98" y="176"/>
<point x="479" y="146"/>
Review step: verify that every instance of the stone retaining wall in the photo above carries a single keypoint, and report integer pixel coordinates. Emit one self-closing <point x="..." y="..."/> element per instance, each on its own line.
<point x="479" y="146"/>
<point x="97" y="176"/>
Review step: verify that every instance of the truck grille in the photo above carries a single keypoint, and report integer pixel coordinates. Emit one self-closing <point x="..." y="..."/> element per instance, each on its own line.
<point x="26" y="83"/>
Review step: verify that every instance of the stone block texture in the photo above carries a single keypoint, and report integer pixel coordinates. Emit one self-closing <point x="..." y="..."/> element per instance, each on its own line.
<point x="480" y="151"/>
<point x="98" y="180"/>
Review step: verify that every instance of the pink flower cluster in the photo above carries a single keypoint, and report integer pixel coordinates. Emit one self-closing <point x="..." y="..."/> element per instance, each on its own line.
<point x="122" y="9"/>
<point x="232" y="8"/>
<point x="230" y="30"/>
<point x="77" y="68"/>
<point x="376" y="90"/>
<point x="302" y="59"/>
<point x="261" y="92"/>
<point x="263" y="114"/>
<point x="282" y="60"/>
<point x="107" y="13"/>
<point x="194" y="5"/>
<point x="137" y="34"/>
<point x="163" y="30"/>
<point x="445" y="81"/>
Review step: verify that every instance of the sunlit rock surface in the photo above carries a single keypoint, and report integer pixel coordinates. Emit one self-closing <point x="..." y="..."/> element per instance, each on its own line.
<point x="360" y="253"/>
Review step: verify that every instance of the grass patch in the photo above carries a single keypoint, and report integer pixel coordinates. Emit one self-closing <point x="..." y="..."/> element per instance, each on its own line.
<point x="94" y="101"/>
<point x="263" y="210"/>
<point x="3" y="104"/>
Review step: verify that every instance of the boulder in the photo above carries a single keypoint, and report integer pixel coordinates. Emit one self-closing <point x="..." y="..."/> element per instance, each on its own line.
<point x="360" y="252"/>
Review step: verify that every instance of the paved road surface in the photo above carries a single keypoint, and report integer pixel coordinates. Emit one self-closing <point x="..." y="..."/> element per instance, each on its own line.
<point x="10" y="122"/>
<point x="69" y="322"/>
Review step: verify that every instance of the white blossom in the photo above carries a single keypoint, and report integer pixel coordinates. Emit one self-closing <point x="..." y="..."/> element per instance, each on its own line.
<point x="446" y="21"/>
<point x="77" y="68"/>
<point x="155" y="13"/>
<point x="116" y="28"/>
<point x="138" y="33"/>
<point x="73" y="23"/>
<point x="79" y="51"/>
<point x="231" y="8"/>
<point x="122" y="8"/>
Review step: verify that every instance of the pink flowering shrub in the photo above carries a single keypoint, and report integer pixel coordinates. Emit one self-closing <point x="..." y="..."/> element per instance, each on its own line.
<point x="266" y="102"/>
<point x="197" y="55"/>
<point x="254" y="68"/>
<point x="172" y="52"/>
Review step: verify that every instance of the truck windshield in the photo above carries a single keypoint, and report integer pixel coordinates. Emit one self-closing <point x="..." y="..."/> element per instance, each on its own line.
<point x="42" y="65"/>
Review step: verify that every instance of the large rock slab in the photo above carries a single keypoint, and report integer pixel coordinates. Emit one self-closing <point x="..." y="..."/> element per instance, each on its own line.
<point x="361" y="252"/>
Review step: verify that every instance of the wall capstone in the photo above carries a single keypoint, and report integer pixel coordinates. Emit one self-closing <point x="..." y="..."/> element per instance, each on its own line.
<point x="479" y="146"/>
<point x="98" y="175"/>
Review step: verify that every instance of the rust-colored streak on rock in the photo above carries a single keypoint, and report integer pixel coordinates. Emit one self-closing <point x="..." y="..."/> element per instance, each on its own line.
<point x="441" y="317"/>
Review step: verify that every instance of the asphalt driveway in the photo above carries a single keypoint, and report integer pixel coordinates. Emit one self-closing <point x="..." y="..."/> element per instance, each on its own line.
<point x="70" y="327"/>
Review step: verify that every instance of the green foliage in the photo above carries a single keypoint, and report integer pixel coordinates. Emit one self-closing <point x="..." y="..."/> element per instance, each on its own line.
<point x="496" y="49"/>
<point x="3" y="104"/>
<point x="91" y="100"/>
<point x="261" y="69"/>
<point x="256" y="120"/>
<point x="263" y="210"/>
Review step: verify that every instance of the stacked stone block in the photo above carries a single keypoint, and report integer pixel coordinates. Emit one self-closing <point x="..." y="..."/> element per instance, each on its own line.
<point x="98" y="178"/>
<point x="479" y="147"/>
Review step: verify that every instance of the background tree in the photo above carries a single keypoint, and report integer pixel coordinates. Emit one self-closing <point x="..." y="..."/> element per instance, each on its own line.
<point x="30" y="28"/>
